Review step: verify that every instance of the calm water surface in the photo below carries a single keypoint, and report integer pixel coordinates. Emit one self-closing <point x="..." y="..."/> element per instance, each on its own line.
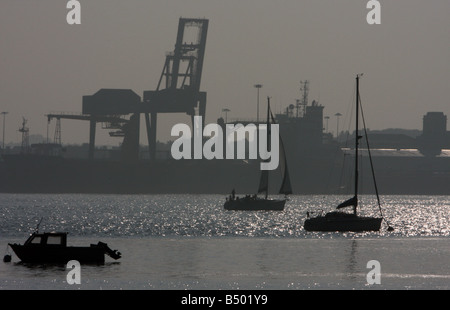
<point x="190" y="242"/>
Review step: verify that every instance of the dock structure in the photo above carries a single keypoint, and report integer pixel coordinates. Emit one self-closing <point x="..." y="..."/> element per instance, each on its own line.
<point x="178" y="91"/>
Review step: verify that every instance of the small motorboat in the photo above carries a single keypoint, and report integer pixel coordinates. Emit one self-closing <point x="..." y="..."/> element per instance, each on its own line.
<point x="52" y="247"/>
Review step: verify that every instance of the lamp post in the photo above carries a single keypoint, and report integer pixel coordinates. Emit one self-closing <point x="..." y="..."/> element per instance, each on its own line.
<point x="3" y="140"/>
<point x="226" y="114"/>
<point x="337" y="124"/>
<point x="258" y="87"/>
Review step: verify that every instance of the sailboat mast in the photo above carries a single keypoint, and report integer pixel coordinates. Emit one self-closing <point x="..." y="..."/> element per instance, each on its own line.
<point x="264" y="179"/>
<point x="268" y="141"/>
<point x="356" y="144"/>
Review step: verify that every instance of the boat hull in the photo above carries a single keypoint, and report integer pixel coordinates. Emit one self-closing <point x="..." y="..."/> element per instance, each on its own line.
<point x="56" y="254"/>
<point x="255" y="205"/>
<point x="343" y="223"/>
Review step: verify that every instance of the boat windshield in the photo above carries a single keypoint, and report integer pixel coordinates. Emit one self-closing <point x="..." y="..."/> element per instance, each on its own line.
<point x="47" y="239"/>
<point x="54" y="239"/>
<point x="34" y="239"/>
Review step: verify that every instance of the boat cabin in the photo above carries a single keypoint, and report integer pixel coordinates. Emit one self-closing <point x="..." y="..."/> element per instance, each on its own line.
<point x="47" y="239"/>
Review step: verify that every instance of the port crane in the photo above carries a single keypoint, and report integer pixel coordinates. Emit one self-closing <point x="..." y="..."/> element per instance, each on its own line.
<point x="177" y="91"/>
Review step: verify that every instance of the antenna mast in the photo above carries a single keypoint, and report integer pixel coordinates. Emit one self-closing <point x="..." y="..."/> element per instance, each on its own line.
<point x="25" y="141"/>
<point x="304" y="88"/>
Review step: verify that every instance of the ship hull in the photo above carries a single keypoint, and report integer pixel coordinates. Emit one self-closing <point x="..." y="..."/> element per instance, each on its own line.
<point x="38" y="174"/>
<point x="32" y="174"/>
<point x="56" y="254"/>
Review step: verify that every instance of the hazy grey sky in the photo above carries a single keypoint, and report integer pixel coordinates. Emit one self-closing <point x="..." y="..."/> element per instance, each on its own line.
<point x="47" y="65"/>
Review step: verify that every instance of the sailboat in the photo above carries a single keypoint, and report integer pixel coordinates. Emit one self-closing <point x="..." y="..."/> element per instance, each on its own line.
<point x="254" y="202"/>
<point x="343" y="221"/>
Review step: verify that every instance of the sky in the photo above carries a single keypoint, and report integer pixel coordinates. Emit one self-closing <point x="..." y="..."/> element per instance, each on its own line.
<point x="47" y="65"/>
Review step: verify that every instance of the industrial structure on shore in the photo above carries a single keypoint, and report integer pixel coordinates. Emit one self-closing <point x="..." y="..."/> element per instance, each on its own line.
<point x="408" y="165"/>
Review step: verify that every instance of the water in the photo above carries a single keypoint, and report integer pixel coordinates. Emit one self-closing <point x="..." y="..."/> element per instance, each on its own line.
<point x="189" y="242"/>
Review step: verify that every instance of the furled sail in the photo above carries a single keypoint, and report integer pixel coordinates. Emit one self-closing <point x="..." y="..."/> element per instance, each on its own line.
<point x="286" y="187"/>
<point x="264" y="182"/>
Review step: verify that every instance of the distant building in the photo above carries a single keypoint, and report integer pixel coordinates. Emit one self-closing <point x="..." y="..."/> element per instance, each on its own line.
<point x="391" y="141"/>
<point x="434" y="137"/>
<point x="302" y="133"/>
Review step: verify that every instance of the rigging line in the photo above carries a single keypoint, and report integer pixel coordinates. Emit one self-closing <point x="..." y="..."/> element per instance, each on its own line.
<point x="371" y="164"/>
<point x="370" y="156"/>
<point x="332" y="171"/>
<point x="349" y="121"/>
<point x="348" y="117"/>
<point x="361" y="174"/>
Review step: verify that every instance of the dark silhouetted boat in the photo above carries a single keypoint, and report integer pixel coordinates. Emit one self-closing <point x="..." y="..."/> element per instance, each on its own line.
<point x="255" y="203"/>
<point x="46" y="248"/>
<point x="342" y="221"/>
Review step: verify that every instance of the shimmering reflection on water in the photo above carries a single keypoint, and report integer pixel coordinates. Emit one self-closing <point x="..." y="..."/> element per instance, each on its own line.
<point x="191" y="242"/>
<point x="203" y="215"/>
